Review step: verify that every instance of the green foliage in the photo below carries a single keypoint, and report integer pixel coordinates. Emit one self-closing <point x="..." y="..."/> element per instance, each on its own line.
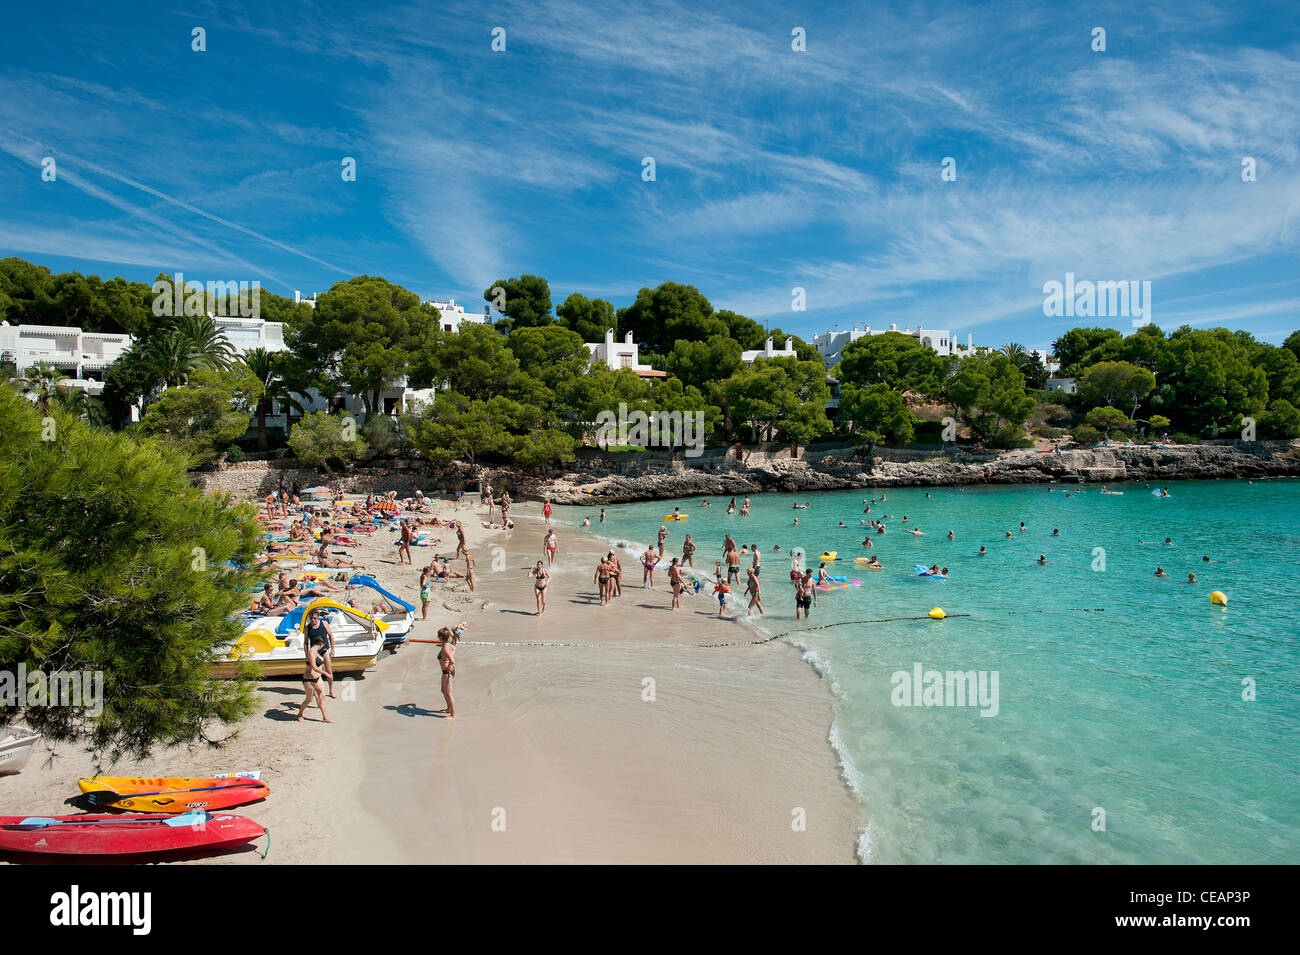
<point x="234" y="454"/>
<point x="894" y="359"/>
<point x="1159" y="421"/>
<point x="1115" y="382"/>
<point x="1079" y="343"/>
<point x="527" y="300"/>
<point x="1108" y="419"/>
<point x="1281" y="420"/>
<point x="783" y="396"/>
<point x="704" y="363"/>
<point x="1085" y="434"/>
<point x="360" y="338"/>
<point x="455" y="427"/>
<point x="319" y="438"/>
<point x="111" y="561"/>
<point x="207" y="414"/>
<point x="877" y="413"/>
<point x="380" y="433"/>
<point x="590" y="318"/>
<point x="989" y="391"/>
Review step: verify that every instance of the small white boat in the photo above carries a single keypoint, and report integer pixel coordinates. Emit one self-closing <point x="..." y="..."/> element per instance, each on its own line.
<point x="358" y="641"/>
<point x="17" y="743"/>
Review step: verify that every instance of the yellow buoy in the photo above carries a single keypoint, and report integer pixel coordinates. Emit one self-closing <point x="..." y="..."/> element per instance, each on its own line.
<point x="1219" y="597"/>
<point x="937" y="613"/>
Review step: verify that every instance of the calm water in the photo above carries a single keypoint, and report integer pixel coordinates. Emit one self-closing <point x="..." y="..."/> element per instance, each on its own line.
<point x="1117" y="690"/>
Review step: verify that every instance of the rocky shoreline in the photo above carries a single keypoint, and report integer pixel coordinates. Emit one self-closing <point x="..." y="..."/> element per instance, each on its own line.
<point x="632" y="482"/>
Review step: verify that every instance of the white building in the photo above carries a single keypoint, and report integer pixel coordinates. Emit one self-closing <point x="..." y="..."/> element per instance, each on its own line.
<point x="830" y="345"/>
<point x="83" y="356"/>
<point x="625" y="354"/>
<point x="451" y="315"/>
<point x="245" y="334"/>
<point x="769" y="351"/>
<point x="1069" y="386"/>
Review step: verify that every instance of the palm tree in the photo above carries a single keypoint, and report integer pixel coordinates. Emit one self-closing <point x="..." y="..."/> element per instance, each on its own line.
<point x="41" y="384"/>
<point x="169" y="357"/>
<point x="267" y="367"/>
<point x="208" y="341"/>
<point x="1013" y="350"/>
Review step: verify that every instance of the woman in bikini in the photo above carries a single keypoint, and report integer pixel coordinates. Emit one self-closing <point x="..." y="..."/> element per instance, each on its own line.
<point x="688" y="551"/>
<point x="648" y="561"/>
<point x="424" y="594"/>
<point x="543" y="577"/>
<point x="318" y="637"/>
<point x="447" y="661"/>
<point x="601" y="578"/>
<point x="751" y="588"/>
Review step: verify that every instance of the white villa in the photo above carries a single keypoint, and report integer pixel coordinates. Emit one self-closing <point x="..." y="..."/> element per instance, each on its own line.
<point x="625" y="354"/>
<point x="831" y="344"/>
<point x="83" y="356"/>
<point x="769" y="351"/>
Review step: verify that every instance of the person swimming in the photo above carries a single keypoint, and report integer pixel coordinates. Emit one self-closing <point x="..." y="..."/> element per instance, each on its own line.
<point x="1042" y="558"/>
<point x="1191" y="578"/>
<point x="983" y="552"/>
<point x="1160" y="572"/>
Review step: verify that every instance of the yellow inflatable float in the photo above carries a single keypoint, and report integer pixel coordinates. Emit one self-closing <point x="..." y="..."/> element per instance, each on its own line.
<point x="1219" y="597"/>
<point x="828" y="555"/>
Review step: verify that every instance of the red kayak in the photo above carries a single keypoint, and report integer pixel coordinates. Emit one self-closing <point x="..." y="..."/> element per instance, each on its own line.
<point x="125" y="835"/>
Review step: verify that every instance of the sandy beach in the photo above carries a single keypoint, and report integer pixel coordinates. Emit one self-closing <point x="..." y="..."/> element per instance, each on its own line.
<point x="625" y="733"/>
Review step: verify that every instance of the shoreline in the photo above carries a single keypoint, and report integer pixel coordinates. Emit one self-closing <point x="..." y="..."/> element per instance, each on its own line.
<point x="611" y="481"/>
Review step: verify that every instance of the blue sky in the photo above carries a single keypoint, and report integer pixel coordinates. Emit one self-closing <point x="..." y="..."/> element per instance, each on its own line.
<point x="775" y="168"/>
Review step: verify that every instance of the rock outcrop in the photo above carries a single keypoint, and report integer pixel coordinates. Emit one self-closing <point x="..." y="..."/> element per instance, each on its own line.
<point x="640" y="483"/>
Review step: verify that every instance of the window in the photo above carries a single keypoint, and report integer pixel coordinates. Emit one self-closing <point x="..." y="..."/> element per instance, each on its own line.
<point x="625" y="361"/>
<point x="447" y="327"/>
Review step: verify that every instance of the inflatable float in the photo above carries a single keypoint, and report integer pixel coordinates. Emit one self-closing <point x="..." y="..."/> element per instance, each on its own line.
<point x="679" y="517"/>
<point x="828" y="555"/>
<point x="864" y="562"/>
<point x="924" y="571"/>
<point x="839" y="584"/>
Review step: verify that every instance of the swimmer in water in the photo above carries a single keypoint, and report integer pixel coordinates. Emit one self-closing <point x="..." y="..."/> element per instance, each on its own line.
<point x="952" y="536"/>
<point x="1008" y="535"/>
<point x="915" y="532"/>
<point x="841" y="523"/>
<point x="1042" y="558"/>
<point x="1056" y="532"/>
<point x="866" y="542"/>
<point x="982" y="552"/>
<point x="1160" y="572"/>
<point x="1022" y="526"/>
<point x="796" y="522"/>
<point x="1191" y="578"/>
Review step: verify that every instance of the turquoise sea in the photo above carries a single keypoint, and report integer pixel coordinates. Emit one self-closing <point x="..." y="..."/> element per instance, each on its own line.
<point x="1120" y="695"/>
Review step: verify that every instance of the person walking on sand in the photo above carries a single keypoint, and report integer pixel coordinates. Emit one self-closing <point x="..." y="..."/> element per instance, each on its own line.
<point x="460" y="540"/>
<point x="733" y="565"/>
<point x="648" y="561"/>
<point x="404" y="544"/>
<point x="541" y="577"/>
<point x="677" y="582"/>
<point x="548" y="547"/>
<point x="450" y="637"/>
<point x="751" y="588"/>
<point x="688" y="551"/>
<point x="316" y="632"/>
<point x="546" y="511"/>
<point x="505" y="507"/>
<point x="469" y="570"/>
